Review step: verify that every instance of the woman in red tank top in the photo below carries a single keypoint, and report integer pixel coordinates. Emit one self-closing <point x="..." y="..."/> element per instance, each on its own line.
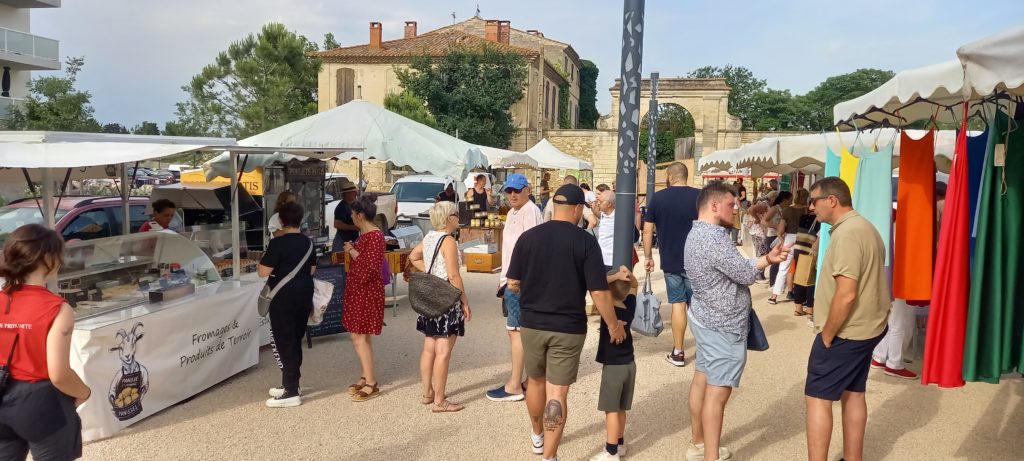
<point x="37" y="406"/>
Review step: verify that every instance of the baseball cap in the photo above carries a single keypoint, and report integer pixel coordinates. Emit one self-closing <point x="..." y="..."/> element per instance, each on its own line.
<point x="569" y="194"/>
<point x="516" y="181"/>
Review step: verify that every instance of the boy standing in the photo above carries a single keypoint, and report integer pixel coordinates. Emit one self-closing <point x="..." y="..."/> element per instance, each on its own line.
<point x="619" y="372"/>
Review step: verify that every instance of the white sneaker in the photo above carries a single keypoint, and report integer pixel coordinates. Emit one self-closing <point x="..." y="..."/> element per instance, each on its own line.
<point x="279" y="402"/>
<point x="538" y="443"/>
<point x="622" y="451"/>
<point x="605" y="456"/>
<point x="277" y="392"/>
<point x="696" y="453"/>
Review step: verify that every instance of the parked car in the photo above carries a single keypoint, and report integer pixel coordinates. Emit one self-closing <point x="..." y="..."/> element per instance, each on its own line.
<point x="77" y="218"/>
<point x="416" y="194"/>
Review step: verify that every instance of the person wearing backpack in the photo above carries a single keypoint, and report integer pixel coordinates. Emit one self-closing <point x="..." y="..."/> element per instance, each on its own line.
<point x="287" y="257"/>
<point x="37" y="404"/>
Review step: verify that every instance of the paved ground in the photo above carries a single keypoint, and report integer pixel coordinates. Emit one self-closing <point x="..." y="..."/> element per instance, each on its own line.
<point x="764" y="420"/>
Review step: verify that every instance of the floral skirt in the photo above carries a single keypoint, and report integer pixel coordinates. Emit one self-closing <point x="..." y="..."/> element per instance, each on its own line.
<point x="452" y="323"/>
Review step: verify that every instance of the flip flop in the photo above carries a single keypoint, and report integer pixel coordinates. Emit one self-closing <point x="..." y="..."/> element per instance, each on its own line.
<point x="447" y="407"/>
<point x="427" y="400"/>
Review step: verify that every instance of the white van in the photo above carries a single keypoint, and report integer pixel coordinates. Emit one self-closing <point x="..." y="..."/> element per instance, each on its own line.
<point x="416" y="194"/>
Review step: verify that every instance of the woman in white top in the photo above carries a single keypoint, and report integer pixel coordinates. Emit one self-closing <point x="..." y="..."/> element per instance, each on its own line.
<point x="274" y="225"/>
<point x="441" y="332"/>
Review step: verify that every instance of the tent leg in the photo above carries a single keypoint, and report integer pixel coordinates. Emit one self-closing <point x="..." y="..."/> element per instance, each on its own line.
<point x="48" y="214"/>
<point x="236" y="244"/>
<point x="126" y="225"/>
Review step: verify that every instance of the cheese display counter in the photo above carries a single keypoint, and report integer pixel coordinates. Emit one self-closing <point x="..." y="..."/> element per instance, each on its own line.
<point x="155" y="324"/>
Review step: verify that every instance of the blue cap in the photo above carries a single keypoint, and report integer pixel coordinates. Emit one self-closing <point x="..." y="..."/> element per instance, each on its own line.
<point x="516" y="181"/>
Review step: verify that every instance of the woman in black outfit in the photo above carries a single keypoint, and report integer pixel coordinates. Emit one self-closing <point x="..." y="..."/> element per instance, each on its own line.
<point x="291" y="306"/>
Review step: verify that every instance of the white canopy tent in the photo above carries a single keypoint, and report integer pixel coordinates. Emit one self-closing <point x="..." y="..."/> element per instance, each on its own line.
<point x="550" y="157"/>
<point x="994" y="63"/>
<point x="901" y="100"/>
<point x="719" y="159"/>
<point x="502" y="158"/>
<point x="368" y="132"/>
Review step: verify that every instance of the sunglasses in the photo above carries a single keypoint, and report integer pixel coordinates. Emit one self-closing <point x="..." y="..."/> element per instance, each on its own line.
<point x="512" y="190"/>
<point x="814" y="200"/>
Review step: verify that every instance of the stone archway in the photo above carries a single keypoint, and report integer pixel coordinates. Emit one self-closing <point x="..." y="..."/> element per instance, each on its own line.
<point x="706" y="99"/>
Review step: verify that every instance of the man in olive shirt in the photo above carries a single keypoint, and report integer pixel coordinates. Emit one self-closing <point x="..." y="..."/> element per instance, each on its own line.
<point x="852" y="308"/>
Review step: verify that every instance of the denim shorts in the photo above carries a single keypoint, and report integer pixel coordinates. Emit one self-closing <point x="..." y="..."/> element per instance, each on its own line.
<point x="510" y="304"/>
<point x="678" y="287"/>
<point x="721" y="356"/>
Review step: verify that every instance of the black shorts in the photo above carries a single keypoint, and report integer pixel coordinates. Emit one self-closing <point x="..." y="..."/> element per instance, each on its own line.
<point x="840" y="368"/>
<point x="39" y="418"/>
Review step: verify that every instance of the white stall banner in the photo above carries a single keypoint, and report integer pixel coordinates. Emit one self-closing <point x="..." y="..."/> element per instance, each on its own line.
<point x="145" y="364"/>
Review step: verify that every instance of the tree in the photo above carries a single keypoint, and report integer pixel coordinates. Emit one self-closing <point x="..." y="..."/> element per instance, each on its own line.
<point x="744" y="88"/>
<point x="329" y="42"/>
<point x="410" y="106"/>
<point x="147" y="128"/>
<point x="673" y="122"/>
<point x="470" y="91"/>
<point x="55" y="104"/>
<point x="114" y="128"/>
<point x="772" y="110"/>
<point x="815" y="108"/>
<point x="260" y="82"/>
<point x="588" y="95"/>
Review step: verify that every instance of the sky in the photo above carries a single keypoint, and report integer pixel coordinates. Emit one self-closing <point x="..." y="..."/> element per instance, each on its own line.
<point x="138" y="54"/>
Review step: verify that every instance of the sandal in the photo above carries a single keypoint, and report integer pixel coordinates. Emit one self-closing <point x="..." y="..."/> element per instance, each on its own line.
<point x="362" y="396"/>
<point x="446" y="407"/>
<point x="427" y="400"/>
<point x="799" y="313"/>
<point x="353" y="388"/>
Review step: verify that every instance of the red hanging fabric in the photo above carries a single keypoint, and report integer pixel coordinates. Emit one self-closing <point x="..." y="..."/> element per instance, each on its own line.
<point x="947" y="322"/>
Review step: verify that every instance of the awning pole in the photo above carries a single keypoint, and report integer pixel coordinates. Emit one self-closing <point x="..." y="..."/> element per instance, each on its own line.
<point x="236" y="244"/>
<point x="47" y="198"/>
<point x="126" y="225"/>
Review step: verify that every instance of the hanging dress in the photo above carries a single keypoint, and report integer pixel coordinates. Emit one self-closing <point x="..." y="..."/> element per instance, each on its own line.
<point x="944" y="343"/>
<point x="913" y="242"/>
<point x="995" y="314"/>
<point x="977" y="146"/>
<point x="848" y="169"/>
<point x="872" y="194"/>
<point x="832" y="168"/>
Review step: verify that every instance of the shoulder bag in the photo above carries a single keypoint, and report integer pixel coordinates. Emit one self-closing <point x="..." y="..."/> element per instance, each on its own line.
<point x="806" y="256"/>
<point x="5" y="369"/>
<point x="430" y="296"/>
<point x="267" y="294"/>
<point x="647" y="319"/>
<point x="756" y="339"/>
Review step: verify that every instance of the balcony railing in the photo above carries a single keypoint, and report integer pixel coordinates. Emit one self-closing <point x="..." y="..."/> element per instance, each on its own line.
<point x="6" y="104"/>
<point x="12" y="41"/>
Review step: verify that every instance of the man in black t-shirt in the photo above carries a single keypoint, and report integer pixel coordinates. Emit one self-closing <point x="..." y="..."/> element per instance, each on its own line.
<point x="346" y="228"/>
<point x="553" y="266"/>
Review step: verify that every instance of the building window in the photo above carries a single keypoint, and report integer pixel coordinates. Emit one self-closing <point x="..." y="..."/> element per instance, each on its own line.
<point x="547" y="100"/>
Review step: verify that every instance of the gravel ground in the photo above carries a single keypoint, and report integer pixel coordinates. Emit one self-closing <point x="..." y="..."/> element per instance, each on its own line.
<point x="764" y="419"/>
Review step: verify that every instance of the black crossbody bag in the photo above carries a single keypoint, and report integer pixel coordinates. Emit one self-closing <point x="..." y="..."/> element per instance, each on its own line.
<point x="5" y="369"/>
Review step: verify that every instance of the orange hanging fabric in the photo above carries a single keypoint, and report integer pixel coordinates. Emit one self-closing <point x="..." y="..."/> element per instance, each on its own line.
<point x="915" y="219"/>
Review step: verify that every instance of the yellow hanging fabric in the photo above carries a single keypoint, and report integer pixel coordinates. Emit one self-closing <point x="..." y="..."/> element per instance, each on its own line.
<point x="848" y="165"/>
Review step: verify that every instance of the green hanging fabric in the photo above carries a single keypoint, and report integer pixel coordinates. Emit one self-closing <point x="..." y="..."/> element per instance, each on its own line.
<point x="995" y="316"/>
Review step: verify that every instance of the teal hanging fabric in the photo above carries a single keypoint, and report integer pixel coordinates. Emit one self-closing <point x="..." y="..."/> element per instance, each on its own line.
<point x="832" y="163"/>
<point x="872" y="195"/>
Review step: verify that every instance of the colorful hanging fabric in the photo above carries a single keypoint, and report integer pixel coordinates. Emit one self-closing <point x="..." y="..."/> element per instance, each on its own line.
<point x="995" y="316"/>
<point x="832" y="165"/>
<point x="914" y="233"/>
<point x="976" y="148"/>
<point x="944" y="343"/>
<point x="872" y="194"/>
<point x="848" y="168"/>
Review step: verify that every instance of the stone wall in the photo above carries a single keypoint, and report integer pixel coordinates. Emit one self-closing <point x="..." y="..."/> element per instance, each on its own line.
<point x="595" y="146"/>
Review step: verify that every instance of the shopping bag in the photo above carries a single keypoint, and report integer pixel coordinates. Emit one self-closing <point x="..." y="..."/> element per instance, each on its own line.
<point x="647" y="319"/>
<point x="322" y="292"/>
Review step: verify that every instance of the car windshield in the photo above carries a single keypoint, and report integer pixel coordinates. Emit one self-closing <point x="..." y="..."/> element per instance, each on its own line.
<point x="421" y="192"/>
<point x="13" y="218"/>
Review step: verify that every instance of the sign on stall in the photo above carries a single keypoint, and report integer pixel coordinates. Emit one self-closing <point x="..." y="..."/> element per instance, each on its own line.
<point x="252" y="181"/>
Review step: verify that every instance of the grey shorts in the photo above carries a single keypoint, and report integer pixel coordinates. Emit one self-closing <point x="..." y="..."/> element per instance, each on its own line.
<point x="617" y="382"/>
<point x="720" y="355"/>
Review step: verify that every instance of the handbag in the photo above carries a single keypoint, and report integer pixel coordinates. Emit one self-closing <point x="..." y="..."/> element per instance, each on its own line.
<point x="267" y="294"/>
<point x="430" y="296"/>
<point x="805" y="253"/>
<point x="756" y="339"/>
<point x="647" y="319"/>
<point x="5" y="369"/>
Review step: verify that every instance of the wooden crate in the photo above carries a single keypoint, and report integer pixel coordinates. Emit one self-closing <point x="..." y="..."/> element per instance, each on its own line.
<point x="482" y="262"/>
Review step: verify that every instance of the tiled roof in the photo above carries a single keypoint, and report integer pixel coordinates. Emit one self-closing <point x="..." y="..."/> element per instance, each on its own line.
<point x="434" y="43"/>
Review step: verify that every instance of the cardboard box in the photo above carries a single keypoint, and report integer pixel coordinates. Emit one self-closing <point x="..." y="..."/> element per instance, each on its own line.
<point x="477" y="262"/>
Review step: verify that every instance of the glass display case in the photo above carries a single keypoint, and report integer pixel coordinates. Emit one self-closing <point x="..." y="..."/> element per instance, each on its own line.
<point x="104" y="275"/>
<point x="215" y="241"/>
<point x="306" y="180"/>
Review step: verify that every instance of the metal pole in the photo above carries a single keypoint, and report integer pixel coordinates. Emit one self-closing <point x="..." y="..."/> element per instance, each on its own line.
<point x="236" y="244"/>
<point x="629" y="130"/>
<point x="126" y="225"/>
<point x="47" y="196"/>
<point x="652" y="136"/>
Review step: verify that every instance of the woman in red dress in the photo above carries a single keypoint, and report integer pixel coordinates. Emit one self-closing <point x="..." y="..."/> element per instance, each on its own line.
<point x="363" y="313"/>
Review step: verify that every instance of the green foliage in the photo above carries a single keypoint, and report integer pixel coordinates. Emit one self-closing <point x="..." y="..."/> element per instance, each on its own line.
<point x="329" y="42"/>
<point x="114" y="128"/>
<point x="410" y="106"/>
<point x="772" y="110"/>
<point x="55" y="104"/>
<point x="470" y="91"/>
<point x="816" y="106"/>
<point x="744" y="88"/>
<point x="147" y="128"/>
<point x="260" y="82"/>
<point x="673" y="122"/>
<point x="588" y="96"/>
<point x="564" y="116"/>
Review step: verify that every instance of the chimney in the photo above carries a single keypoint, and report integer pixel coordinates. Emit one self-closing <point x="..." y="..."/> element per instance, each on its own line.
<point x="375" y="33"/>
<point x="410" y="29"/>
<point x="535" y="33"/>
<point x="504" y="29"/>
<point x="491" y="30"/>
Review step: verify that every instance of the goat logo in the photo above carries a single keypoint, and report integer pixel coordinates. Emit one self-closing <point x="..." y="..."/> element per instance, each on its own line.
<point x="131" y="381"/>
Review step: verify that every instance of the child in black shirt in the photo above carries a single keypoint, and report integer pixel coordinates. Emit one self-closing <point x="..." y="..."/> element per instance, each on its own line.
<point x="618" y="375"/>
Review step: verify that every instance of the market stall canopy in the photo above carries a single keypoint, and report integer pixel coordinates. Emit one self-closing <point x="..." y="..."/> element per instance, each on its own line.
<point x="205" y="196"/>
<point x="365" y="131"/>
<point x="502" y="158"/>
<point x="994" y="63"/>
<point x="550" y="157"/>
<point x="719" y="159"/>
<point x="911" y="95"/>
